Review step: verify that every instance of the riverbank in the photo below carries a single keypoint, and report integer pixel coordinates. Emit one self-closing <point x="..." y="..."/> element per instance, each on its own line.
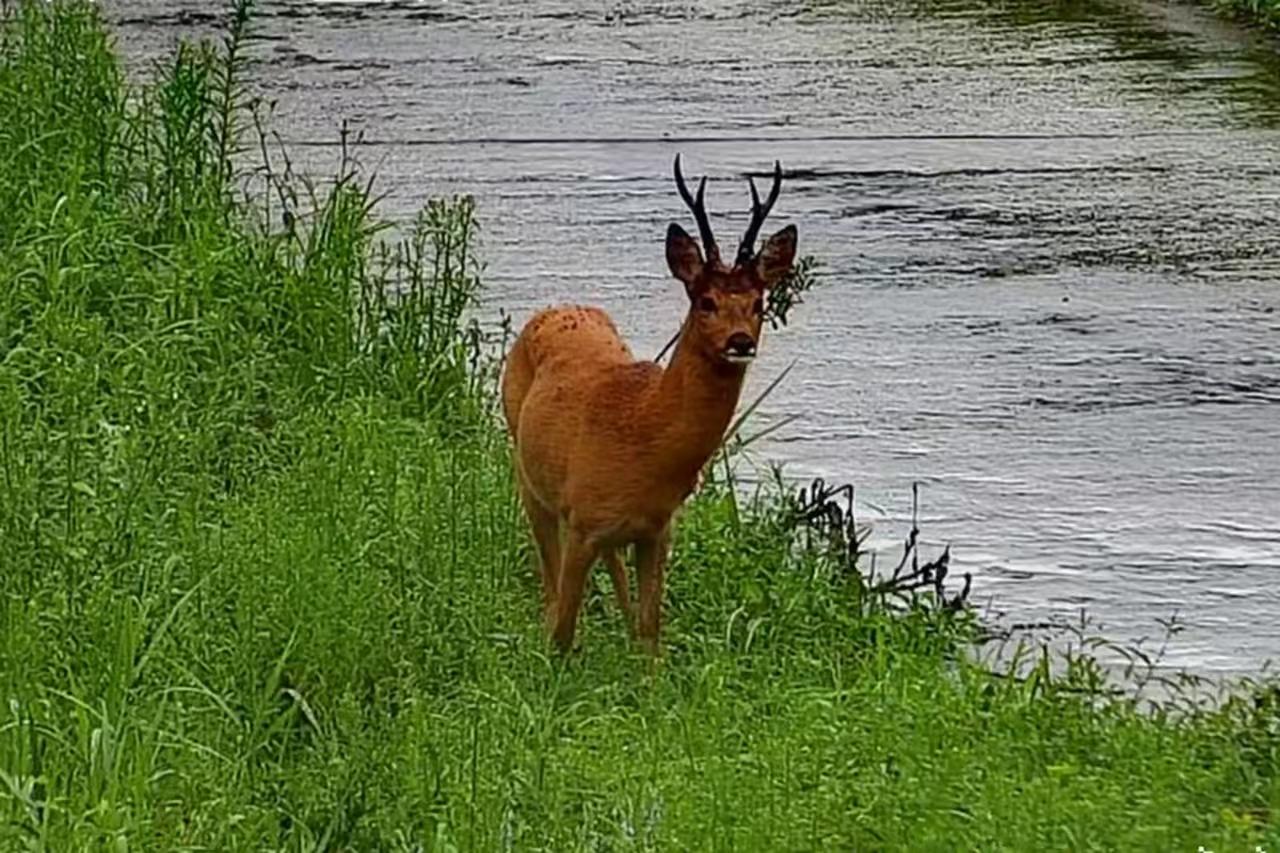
<point x="265" y="584"/>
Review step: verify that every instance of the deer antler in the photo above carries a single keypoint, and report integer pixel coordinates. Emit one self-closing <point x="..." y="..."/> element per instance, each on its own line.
<point x="699" y="213"/>
<point x="747" y="249"/>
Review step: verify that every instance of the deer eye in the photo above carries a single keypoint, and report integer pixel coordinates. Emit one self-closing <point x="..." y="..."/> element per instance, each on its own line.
<point x="758" y="307"/>
<point x="706" y="303"/>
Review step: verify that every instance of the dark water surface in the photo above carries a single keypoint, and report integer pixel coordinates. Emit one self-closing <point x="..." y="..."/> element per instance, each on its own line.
<point x="1050" y="243"/>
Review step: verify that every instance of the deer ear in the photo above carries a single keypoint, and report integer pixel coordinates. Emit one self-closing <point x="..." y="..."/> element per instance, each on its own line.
<point x="683" y="256"/>
<point x="776" y="256"/>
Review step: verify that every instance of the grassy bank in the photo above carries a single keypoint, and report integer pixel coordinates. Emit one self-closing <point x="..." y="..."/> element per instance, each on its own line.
<point x="1265" y="13"/>
<point x="264" y="583"/>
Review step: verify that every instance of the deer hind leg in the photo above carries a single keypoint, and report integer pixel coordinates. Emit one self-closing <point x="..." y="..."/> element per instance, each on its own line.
<point x="651" y="561"/>
<point x="546" y="535"/>
<point x="621" y="588"/>
<point x="579" y="554"/>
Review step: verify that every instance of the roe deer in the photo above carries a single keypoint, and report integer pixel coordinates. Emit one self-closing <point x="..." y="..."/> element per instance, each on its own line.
<point x="607" y="448"/>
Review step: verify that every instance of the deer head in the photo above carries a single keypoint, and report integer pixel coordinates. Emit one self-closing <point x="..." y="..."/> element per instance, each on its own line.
<point x="726" y="303"/>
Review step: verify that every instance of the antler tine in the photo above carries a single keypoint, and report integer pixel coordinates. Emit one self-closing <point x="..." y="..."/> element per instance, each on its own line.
<point x="699" y="209"/>
<point x="747" y="248"/>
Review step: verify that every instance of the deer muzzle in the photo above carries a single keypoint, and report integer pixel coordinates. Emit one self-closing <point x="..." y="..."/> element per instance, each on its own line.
<point x="740" y="348"/>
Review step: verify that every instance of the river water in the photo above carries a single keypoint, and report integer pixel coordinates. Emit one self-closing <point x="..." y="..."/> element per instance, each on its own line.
<point x="1048" y="238"/>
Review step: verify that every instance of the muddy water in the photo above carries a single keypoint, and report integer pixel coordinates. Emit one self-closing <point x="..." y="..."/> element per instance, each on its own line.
<point x="1050" y="248"/>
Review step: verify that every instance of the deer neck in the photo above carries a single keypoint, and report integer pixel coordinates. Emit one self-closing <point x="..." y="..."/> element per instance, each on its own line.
<point x="697" y="396"/>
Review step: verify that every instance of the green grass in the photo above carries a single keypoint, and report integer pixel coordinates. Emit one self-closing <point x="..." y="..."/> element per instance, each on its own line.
<point x="264" y="583"/>
<point x="1263" y="12"/>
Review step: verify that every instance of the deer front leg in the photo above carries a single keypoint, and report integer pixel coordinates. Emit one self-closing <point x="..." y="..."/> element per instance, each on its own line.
<point x="578" y="555"/>
<point x="651" y="561"/>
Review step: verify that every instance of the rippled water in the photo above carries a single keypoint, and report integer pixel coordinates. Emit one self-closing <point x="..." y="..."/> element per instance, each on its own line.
<point x="1050" y="247"/>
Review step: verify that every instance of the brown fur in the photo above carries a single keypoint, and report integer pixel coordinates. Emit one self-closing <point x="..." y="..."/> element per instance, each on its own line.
<point x="607" y="448"/>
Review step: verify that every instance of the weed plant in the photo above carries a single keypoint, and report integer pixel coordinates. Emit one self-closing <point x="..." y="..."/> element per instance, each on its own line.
<point x="264" y="584"/>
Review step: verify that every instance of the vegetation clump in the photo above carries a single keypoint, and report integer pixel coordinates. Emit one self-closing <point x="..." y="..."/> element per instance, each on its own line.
<point x="1263" y="12"/>
<point x="264" y="584"/>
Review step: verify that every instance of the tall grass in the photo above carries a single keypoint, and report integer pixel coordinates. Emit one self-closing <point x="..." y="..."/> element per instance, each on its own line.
<point x="264" y="584"/>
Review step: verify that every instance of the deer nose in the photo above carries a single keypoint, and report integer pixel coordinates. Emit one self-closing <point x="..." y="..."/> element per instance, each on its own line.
<point x="740" y="345"/>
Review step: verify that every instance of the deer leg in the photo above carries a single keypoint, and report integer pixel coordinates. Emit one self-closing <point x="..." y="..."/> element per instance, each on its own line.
<point x="546" y="534"/>
<point x="651" y="560"/>
<point x="621" y="588"/>
<point x="579" y="554"/>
